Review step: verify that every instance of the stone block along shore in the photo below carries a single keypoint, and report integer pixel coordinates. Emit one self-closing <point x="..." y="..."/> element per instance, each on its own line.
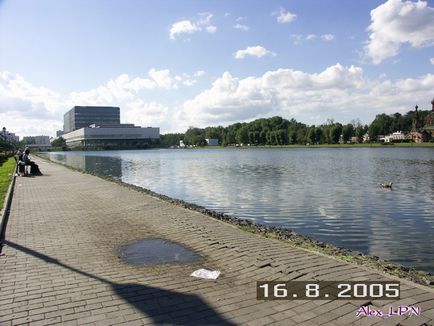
<point x="61" y="265"/>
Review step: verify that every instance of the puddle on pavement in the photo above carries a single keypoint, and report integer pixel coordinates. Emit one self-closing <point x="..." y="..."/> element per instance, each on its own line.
<point x="156" y="251"/>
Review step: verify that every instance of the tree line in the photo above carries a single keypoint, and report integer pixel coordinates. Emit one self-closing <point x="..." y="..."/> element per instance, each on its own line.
<point x="279" y="131"/>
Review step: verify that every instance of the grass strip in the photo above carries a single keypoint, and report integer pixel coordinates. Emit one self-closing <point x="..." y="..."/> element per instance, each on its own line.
<point x="7" y="170"/>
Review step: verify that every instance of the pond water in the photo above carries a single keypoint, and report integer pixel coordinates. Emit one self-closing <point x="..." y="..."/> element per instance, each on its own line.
<point x="330" y="194"/>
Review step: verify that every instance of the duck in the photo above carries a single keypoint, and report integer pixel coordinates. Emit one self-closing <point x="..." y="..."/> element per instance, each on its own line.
<point x="387" y="185"/>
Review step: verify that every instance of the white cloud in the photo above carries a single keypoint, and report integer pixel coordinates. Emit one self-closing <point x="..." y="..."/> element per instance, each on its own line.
<point x="298" y="38"/>
<point x="125" y="88"/>
<point x="163" y="78"/>
<point x="145" y="114"/>
<point x="242" y="27"/>
<point x="398" y="22"/>
<point x="284" y="16"/>
<point x="42" y="100"/>
<point x="341" y="92"/>
<point x="328" y="37"/>
<point x="189" y="27"/>
<point x="211" y="29"/>
<point x="199" y="73"/>
<point x="30" y="110"/>
<point x="432" y="61"/>
<point x="182" y="27"/>
<point x="255" y="51"/>
<point x="338" y="91"/>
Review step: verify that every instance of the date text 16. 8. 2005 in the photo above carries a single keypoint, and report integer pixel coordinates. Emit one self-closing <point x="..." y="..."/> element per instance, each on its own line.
<point x="327" y="290"/>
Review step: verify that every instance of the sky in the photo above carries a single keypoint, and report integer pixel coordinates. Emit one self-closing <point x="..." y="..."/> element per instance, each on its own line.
<point x="193" y="63"/>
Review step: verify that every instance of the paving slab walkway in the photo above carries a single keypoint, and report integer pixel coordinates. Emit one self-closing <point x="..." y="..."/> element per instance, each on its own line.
<point x="61" y="264"/>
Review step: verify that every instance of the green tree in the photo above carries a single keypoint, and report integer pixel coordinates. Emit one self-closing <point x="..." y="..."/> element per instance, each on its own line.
<point x="301" y="135"/>
<point x="311" y="135"/>
<point x="348" y="132"/>
<point x="195" y="136"/>
<point x="214" y="132"/>
<point x="242" y="135"/>
<point x="59" y="142"/>
<point x="319" y="135"/>
<point x="360" y="132"/>
<point x="335" y="133"/>
<point x="168" y="140"/>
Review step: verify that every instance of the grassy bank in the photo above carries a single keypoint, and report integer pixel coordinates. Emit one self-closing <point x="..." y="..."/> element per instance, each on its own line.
<point x="7" y="170"/>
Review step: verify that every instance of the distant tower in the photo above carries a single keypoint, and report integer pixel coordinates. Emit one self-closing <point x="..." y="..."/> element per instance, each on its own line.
<point x="416" y="124"/>
<point x="432" y="105"/>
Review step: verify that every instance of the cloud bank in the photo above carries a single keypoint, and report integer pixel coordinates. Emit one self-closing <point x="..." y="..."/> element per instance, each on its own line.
<point x="395" y="23"/>
<point x="337" y="91"/>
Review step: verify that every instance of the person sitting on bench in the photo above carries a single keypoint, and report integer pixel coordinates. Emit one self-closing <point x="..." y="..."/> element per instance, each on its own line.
<point x="34" y="168"/>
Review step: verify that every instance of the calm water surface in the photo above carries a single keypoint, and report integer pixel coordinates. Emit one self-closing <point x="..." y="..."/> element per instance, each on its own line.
<point x="330" y="194"/>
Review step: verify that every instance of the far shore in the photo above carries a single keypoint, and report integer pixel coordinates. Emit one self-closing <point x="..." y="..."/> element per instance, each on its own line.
<point x="361" y="145"/>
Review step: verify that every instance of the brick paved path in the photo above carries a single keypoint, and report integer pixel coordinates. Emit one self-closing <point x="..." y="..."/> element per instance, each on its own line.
<point x="61" y="264"/>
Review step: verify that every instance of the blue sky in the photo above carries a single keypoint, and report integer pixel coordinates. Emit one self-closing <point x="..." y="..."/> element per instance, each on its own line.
<point x="175" y="64"/>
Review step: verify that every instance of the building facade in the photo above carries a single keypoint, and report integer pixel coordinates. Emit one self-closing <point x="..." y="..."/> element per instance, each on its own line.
<point x="212" y="142"/>
<point x="83" y="116"/>
<point x="397" y="136"/>
<point x="8" y="136"/>
<point x="111" y="136"/>
<point x="37" y="141"/>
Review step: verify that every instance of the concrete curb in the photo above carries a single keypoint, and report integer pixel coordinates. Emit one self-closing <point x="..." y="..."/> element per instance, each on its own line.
<point x="5" y="212"/>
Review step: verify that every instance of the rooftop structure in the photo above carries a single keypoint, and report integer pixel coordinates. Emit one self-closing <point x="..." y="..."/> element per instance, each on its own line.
<point x="83" y="116"/>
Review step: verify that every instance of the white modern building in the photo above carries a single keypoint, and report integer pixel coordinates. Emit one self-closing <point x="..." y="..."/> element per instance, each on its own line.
<point x="112" y="136"/>
<point x="396" y="136"/>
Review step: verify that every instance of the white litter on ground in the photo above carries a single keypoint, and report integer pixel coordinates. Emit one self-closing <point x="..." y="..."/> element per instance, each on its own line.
<point x="204" y="273"/>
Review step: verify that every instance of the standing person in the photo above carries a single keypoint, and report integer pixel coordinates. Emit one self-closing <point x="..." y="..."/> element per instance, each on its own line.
<point x="19" y="155"/>
<point x="20" y="164"/>
<point x="34" y="168"/>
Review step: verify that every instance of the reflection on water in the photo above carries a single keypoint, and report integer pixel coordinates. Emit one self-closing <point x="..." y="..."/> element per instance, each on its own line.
<point x="330" y="194"/>
<point x="105" y="166"/>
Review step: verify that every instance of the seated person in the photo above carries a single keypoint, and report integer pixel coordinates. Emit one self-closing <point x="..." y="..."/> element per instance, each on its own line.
<point x="34" y="168"/>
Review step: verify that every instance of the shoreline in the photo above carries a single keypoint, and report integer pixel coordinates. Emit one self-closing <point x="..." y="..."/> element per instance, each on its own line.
<point x="285" y="235"/>
<point x="295" y="146"/>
